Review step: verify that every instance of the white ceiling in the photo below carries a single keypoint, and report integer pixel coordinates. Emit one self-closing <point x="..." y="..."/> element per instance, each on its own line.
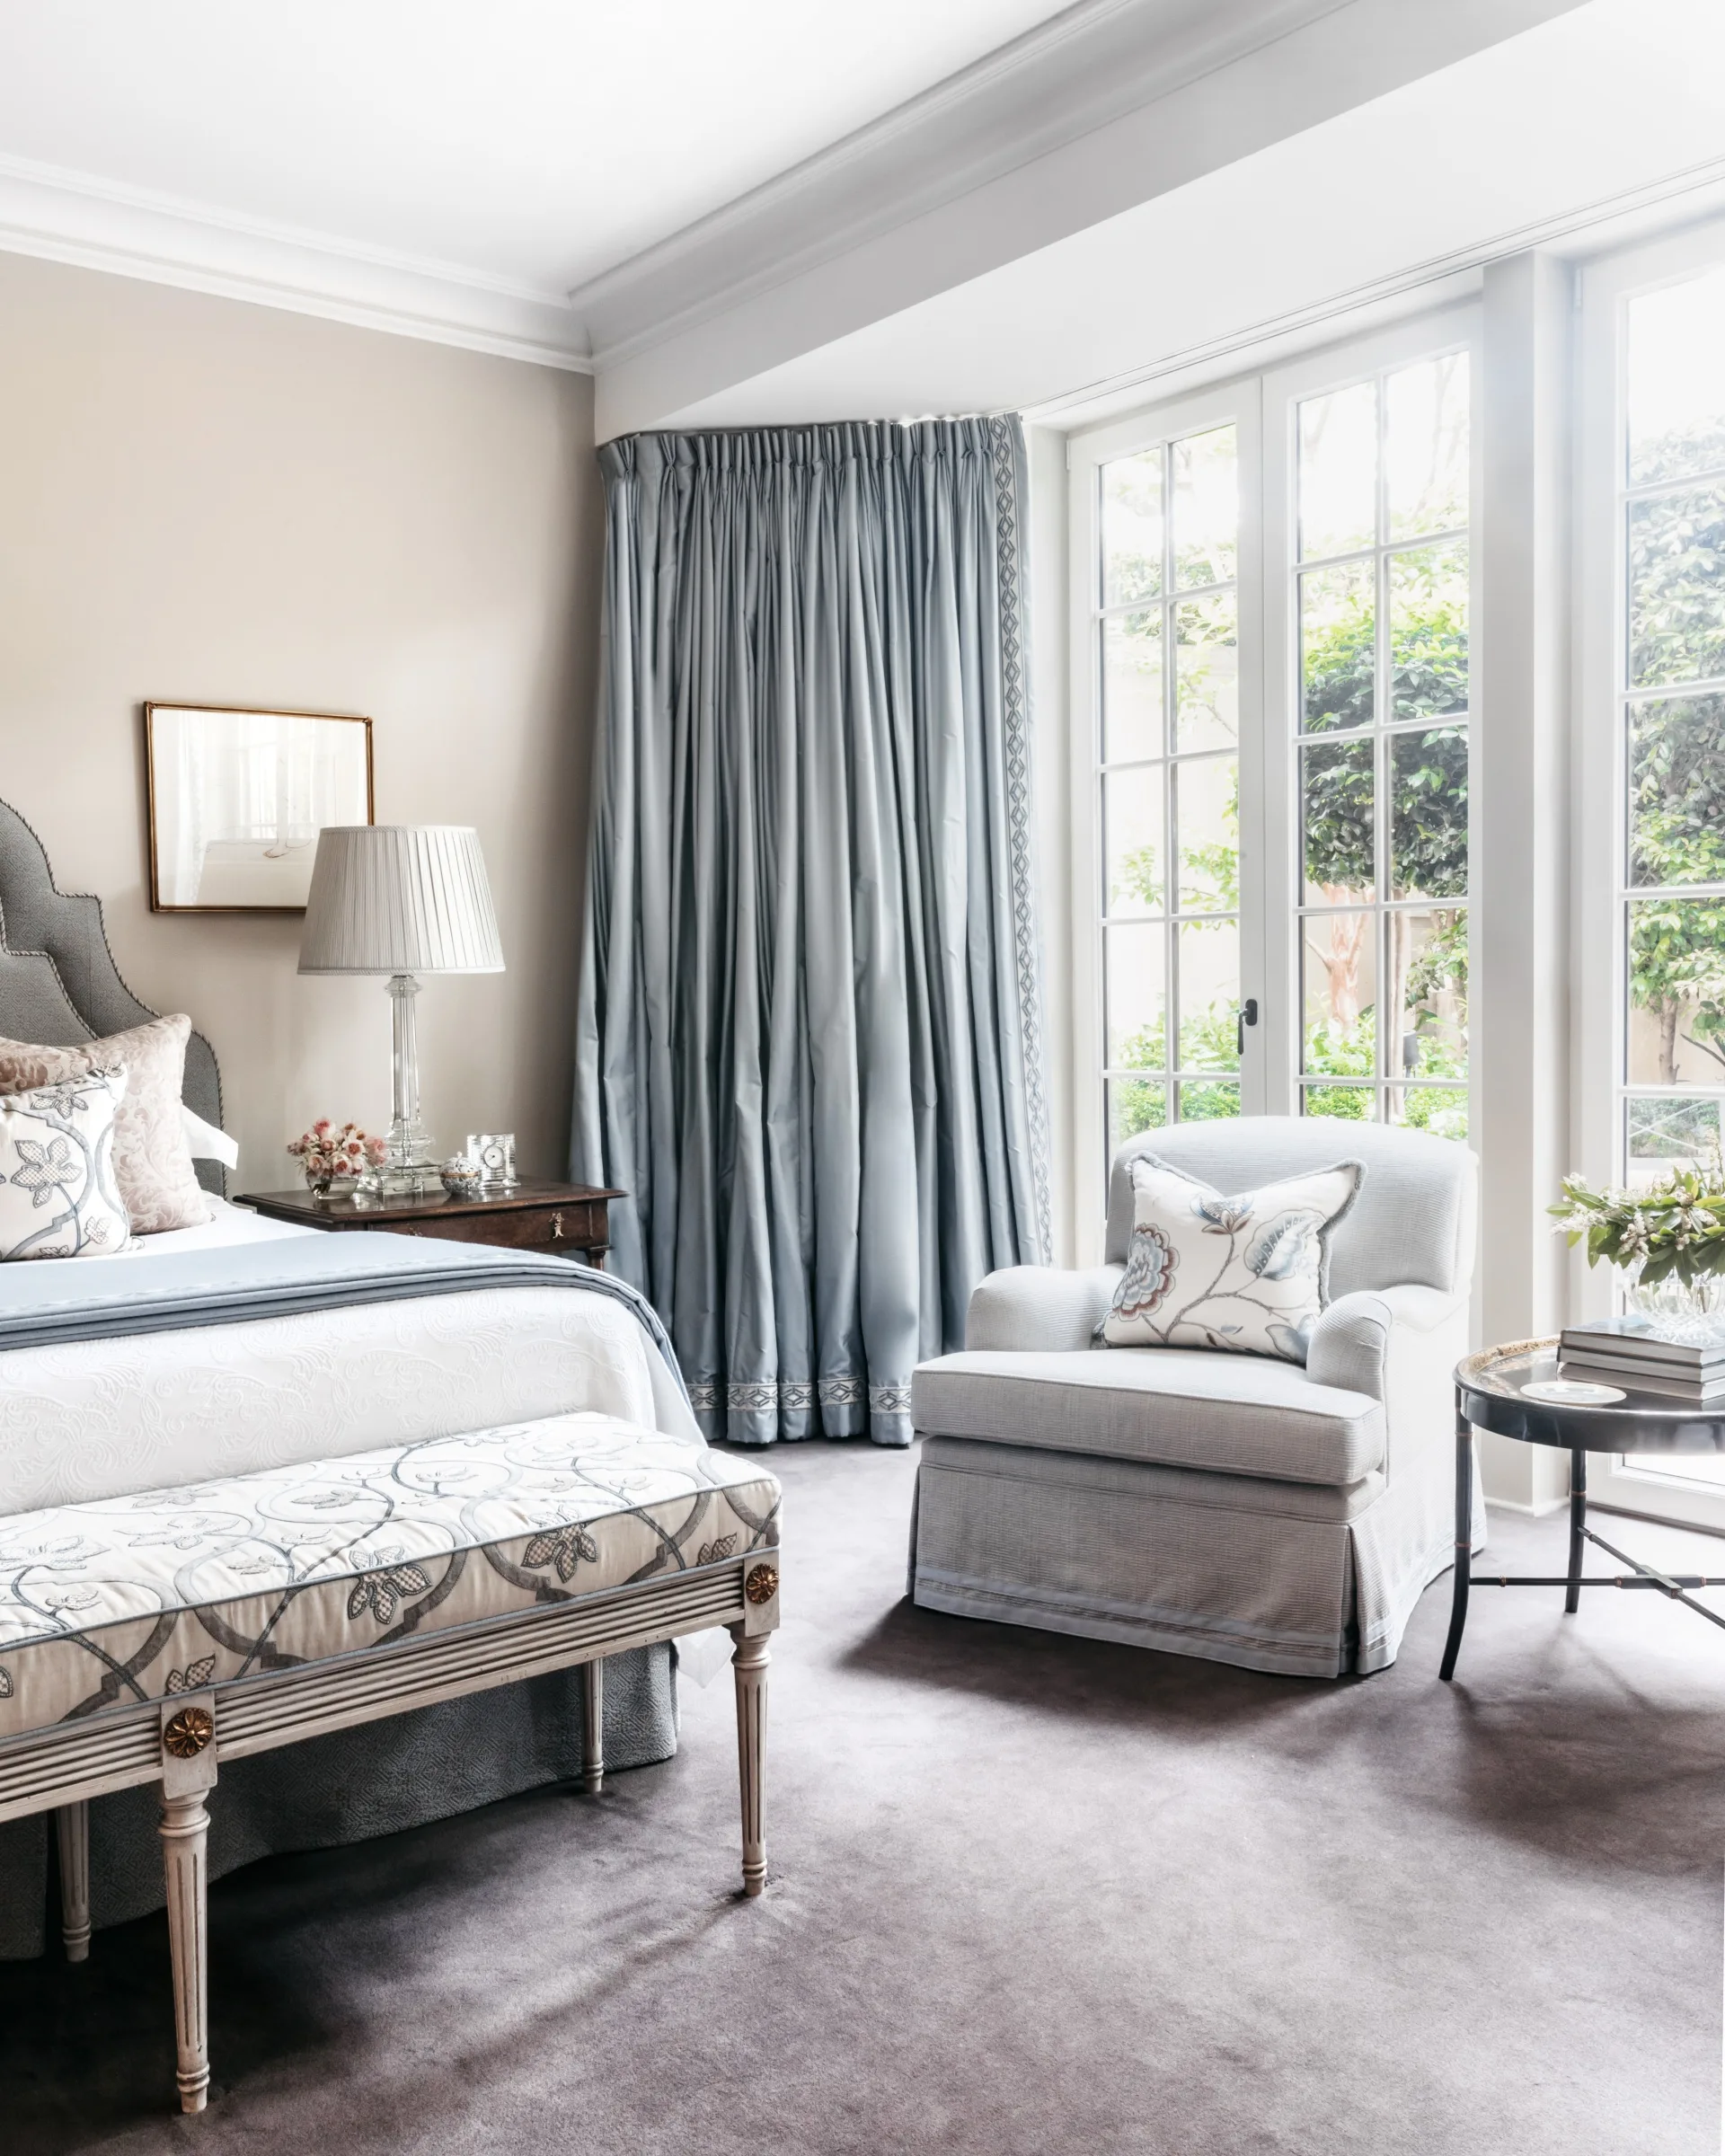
<point x="771" y="211"/>
<point x="534" y="142"/>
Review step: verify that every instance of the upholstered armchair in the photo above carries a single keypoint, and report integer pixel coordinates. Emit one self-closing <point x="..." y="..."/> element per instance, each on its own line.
<point x="1239" y="1507"/>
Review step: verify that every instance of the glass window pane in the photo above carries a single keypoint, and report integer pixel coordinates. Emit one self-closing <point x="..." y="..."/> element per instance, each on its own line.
<point x="1677" y="392"/>
<point x="1346" y="1103"/>
<point x="1442" y="1111"/>
<point x="1337" y="647"/>
<point x="1206" y="797"/>
<point x="1677" y="791"/>
<point x="1337" y="823"/>
<point x="1429" y="632"/>
<point x="1132" y="841"/>
<point x="1209" y="1102"/>
<point x="1677" y="991"/>
<point x="1131" y="688"/>
<point x="1339" y="993"/>
<point x="1425" y="446"/>
<point x="1134" y="1104"/>
<point x="1425" y="955"/>
<point x="1207" y="673"/>
<point x="1135" y="957"/>
<point x="1428" y="813"/>
<point x="1209" y="995"/>
<point x="1669" y="1131"/>
<point x="1132" y="528"/>
<point x="1338" y="472"/>
<point x="1207" y="509"/>
<point x="1677" y="587"/>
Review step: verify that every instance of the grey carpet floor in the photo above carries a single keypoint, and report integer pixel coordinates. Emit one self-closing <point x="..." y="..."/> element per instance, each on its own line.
<point x="1029" y="1896"/>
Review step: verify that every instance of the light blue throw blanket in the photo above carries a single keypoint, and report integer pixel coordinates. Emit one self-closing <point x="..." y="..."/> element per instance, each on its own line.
<point x="44" y="1304"/>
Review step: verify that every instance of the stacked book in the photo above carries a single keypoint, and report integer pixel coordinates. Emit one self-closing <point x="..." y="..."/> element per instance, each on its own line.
<point x="1678" y="1359"/>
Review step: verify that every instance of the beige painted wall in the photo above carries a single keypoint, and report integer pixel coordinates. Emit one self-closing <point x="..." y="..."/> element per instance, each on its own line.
<point x="215" y="503"/>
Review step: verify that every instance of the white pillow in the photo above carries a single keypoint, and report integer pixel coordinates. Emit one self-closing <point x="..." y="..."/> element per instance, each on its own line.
<point x="1249" y="1273"/>
<point x="58" y="1195"/>
<point x="205" y="1142"/>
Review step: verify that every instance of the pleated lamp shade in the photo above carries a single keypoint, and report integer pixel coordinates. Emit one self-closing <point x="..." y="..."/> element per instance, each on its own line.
<point x="400" y="898"/>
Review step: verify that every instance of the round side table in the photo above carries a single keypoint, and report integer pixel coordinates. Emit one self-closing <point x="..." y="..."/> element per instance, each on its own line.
<point x="1492" y="1394"/>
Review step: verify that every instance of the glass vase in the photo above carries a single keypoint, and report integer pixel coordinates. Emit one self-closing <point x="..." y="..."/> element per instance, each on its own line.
<point x="1674" y="1298"/>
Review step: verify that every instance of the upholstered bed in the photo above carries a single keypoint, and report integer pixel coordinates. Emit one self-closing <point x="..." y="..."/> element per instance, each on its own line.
<point x="127" y="1414"/>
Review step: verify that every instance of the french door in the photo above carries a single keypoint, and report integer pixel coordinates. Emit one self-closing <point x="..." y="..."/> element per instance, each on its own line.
<point x="1271" y="702"/>
<point x="1650" y="833"/>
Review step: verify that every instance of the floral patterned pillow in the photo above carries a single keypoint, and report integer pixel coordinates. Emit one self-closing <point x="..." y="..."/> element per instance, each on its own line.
<point x="1249" y="1273"/>
<point x="59" y="1198"/>
<point x="151" y="1155"/>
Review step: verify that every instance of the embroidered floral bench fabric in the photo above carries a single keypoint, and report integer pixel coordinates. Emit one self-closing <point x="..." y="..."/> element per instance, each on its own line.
<point x="105" y="1604"/>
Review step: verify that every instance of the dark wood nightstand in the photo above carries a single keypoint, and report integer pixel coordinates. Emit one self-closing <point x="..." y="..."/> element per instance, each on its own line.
<point x="569" y="1220"/>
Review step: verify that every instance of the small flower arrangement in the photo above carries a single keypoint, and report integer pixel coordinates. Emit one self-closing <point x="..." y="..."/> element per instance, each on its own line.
<point x="1671" y="1231"/>
<point x="326" y="1152"/>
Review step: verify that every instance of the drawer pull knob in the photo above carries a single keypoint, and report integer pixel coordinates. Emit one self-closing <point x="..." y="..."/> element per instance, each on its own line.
<point x="556" y="1227"/>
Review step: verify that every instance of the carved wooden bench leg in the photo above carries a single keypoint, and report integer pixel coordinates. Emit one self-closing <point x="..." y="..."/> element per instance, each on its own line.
<point x="71" y="1825"/>
<point x="188" y="1771"/>
<point x="749" y="1668"/>
<point x="592" y="1728"/>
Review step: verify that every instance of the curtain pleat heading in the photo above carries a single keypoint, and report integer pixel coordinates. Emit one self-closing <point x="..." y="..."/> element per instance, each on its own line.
<point x="808" y="1040"/>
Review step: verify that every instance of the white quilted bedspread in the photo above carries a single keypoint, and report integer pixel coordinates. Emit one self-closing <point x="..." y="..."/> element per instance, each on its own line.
<point x="108" y="1419"/>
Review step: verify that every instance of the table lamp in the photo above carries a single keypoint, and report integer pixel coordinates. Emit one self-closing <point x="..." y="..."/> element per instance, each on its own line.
<point x="401" y="899"/>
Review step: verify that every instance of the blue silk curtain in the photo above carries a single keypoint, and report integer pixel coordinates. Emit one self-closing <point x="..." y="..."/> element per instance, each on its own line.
<point x="808" y="1021"/>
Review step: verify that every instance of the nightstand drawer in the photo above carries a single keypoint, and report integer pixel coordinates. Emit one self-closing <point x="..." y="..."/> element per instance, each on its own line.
<point x="565" y="1220"/>
<point x="570" y="1230"/>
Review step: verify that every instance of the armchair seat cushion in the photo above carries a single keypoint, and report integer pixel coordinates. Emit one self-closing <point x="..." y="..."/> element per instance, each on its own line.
<point x="1177" y="1407"/>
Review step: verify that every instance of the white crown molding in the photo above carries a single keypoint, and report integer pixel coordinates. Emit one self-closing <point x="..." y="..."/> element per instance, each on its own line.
<point x="1092" y="64"/>
<point x="65" y="216"/>
<point x="1324" y="61"/>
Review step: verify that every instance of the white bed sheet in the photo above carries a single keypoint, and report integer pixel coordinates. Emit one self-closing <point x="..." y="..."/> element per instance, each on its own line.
<point x="105" y="1419"/>
<point x="227" y="1224"/>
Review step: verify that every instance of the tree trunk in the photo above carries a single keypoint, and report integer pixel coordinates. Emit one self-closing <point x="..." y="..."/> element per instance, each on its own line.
<point x="1399" y="960"/>
<point x="1347" y="934"/>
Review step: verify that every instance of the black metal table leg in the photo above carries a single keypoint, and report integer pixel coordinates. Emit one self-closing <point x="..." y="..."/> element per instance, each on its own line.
<point x="1577" y="1526"/>
<point x="1463" y="1538"/>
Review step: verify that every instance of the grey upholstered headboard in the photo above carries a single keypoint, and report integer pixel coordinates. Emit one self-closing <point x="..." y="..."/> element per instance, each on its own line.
<point x="59" y="983"/>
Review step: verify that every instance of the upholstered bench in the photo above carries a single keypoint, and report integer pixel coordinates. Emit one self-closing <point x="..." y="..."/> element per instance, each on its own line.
<point x="145" y="1638"/>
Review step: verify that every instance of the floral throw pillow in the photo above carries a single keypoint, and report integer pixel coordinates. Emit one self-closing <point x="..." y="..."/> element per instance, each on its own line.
<point x="152" y="1155"/>
<point x="59" y="1195"/>
<point x="1249" y="1273"/>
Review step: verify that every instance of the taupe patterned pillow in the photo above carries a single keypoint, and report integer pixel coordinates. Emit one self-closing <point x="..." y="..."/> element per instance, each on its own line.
<point x="151" y="1158"/>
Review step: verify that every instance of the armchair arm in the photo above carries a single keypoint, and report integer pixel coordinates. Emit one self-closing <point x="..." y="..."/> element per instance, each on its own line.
<point x="1038" y="1306"/>
<point x="1351" y="1343"/>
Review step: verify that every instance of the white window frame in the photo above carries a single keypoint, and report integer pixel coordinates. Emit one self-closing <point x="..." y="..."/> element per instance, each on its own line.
<point x="1600" y="829"/>
<point x="1263" y="409"/>
<point x="1235" y="403"/>
<point x="1427" y="336"/>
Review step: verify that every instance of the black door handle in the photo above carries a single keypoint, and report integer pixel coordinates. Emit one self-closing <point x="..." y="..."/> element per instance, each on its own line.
<point x="1248" y="1016"/>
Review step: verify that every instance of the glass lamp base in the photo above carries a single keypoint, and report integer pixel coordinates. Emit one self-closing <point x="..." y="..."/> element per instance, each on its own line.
<point x="400" y="1178"/>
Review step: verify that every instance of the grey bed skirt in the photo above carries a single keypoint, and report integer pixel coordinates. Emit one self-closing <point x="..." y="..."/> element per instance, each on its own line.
<point x="348" y="1787"/>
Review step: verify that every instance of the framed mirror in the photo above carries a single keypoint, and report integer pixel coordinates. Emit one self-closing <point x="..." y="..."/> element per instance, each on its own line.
<point x="237" y="799"/>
